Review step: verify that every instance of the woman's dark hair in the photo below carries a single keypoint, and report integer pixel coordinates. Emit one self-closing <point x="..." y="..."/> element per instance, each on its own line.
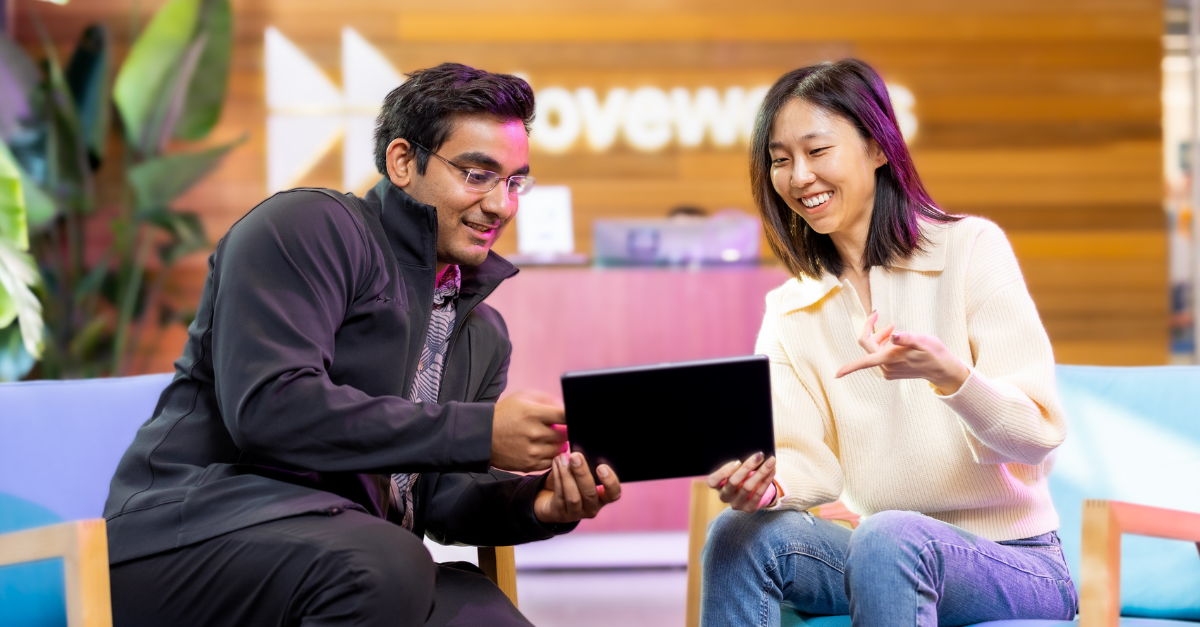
<point x="854" y="91"/>
<point x="422" y="108"/>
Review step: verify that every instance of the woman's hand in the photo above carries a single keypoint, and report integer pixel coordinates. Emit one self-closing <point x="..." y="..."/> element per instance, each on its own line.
<point x="743" y="484"/>
<point x="908" y="356"/>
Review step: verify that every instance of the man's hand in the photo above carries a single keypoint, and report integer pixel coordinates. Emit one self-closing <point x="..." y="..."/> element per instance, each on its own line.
<point x="743" y="484"/>
<point x="908" y="356"/>
<point x="523" y="435"/>
<point x="570" y="494"/>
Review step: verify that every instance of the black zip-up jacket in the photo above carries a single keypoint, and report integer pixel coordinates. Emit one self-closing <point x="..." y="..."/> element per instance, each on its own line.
<point x="289" y="396"/>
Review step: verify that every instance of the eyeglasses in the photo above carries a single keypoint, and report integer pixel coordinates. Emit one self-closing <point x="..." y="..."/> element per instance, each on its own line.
<point x="486" y="180"/>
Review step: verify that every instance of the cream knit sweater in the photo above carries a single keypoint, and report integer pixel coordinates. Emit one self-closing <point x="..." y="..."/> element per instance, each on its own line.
<point x="978" y="458"/>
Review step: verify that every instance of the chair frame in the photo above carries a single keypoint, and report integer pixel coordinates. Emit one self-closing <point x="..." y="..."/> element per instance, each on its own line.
<point x="500" y="565"/>
<point x="1103" y="524"/>
<point x="83" y="546"/>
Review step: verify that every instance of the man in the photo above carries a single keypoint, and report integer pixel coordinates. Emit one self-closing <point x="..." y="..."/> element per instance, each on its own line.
<point x="338" y="397"/>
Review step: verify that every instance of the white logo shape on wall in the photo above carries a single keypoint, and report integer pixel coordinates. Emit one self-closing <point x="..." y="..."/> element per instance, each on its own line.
<point x="308" y="114"/>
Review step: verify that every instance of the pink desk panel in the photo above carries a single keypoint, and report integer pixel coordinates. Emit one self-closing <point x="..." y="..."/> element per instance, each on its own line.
<point x="578" y="319"/>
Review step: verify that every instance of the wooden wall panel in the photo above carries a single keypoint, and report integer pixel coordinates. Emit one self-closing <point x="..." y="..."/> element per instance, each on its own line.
<point x="1043" y="115"/>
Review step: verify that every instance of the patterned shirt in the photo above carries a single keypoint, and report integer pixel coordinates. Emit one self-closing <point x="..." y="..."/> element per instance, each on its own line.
<point x="429" y="374"/>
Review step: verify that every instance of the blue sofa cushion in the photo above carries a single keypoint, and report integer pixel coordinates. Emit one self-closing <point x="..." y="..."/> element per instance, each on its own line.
<point x="31" y="595"/>
<point x="1133" y="435"/>
<point x="60" y="441"/>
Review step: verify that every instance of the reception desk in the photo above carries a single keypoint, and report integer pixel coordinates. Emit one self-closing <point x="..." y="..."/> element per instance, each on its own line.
<point x="577" y="319"/>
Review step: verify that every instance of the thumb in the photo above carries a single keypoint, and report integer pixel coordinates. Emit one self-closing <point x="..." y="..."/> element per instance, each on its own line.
<point x="906" y="340"/>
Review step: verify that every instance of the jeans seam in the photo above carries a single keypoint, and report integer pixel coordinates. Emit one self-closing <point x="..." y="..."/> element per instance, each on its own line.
<point x="927" y="544"/>
<point x="803" y="551"/>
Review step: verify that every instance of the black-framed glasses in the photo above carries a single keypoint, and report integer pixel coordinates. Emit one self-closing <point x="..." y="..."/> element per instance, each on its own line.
<point x="485" y="181"/>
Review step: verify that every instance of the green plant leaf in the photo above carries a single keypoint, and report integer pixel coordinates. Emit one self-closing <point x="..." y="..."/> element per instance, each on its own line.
<point x="13" y="228"/>
<point x="68" y="173"/>
<point x="19" y="77"/>
<point x="150" y="65"/>
<point x="15" y="361"/>
<point x="18" y="273"/>
<point x="157" y="182"/>
<point x="87" y="77"/>
<point x="39" y="207"/>
<point x="206" y="91"/>
<point x="186" y="233"/>
<point x="168" y="109"/>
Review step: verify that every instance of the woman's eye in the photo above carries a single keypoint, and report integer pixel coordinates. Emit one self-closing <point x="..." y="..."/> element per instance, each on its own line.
<point x="817" y="151"/>
<point x="778" y="162"/>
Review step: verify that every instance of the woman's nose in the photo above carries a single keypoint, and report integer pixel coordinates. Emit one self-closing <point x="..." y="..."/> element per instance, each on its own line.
<point x="801" y="175"/>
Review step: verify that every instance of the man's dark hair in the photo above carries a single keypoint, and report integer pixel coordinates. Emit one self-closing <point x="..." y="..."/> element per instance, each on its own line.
<point x="422" y="108"/>
<point x="853" y="90"/>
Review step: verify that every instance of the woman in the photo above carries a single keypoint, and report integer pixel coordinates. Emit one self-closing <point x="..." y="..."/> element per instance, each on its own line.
<point x="911" y="377"/>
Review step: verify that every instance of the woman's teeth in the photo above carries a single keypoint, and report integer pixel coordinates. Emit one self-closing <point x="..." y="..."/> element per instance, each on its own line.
<point x="816" y="201"/>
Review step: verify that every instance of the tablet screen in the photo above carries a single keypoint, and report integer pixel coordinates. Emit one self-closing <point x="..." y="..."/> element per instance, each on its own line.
<point x="670" y="420"/>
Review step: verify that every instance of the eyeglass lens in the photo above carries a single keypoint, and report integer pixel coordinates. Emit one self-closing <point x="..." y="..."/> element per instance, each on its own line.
<point x="485" y="181"/>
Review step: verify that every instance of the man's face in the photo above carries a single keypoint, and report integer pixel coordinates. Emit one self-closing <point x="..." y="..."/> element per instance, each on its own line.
<point x="469" y="221"/>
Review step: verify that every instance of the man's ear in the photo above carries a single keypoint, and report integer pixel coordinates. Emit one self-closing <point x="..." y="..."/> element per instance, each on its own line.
<point x="401" y="162"/>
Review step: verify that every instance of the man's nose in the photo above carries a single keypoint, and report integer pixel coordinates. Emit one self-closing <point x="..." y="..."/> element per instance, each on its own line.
<point x="503" y="206"/>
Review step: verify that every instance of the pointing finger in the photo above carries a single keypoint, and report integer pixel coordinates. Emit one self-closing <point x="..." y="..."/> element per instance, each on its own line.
<point x="869" y="361"/>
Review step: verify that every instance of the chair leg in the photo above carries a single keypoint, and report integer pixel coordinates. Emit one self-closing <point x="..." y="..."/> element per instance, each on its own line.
<point x="500" y="564"/>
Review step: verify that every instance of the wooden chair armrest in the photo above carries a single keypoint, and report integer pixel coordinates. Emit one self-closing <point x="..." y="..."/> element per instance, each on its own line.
<point x="1103" y="524"/>
<point x="83" y="545"/>
<point x="500" y="564"/>
<point x="705" y="506"/>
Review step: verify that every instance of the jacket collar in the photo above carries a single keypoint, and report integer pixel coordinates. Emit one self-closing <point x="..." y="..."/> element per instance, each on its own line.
<point x="803" y="291"/>
<point x="412" y="227"/>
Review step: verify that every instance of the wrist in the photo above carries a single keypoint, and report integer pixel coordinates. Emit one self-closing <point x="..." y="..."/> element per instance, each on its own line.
<point x="954" y="374"/>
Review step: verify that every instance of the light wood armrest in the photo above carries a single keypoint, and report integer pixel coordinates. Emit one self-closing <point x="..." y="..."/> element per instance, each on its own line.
<point x="1103" y="524"/>
<point x="83" y="545"/>
<point x="500" y="564"/>
<point x="705" y="506"/>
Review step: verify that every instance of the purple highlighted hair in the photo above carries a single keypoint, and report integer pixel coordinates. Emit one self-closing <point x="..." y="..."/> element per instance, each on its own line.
<point x="853" y="90"/>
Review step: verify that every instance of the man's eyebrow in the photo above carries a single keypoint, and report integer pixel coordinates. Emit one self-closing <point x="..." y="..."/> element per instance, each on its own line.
<point x="477" y="159"/>
<point x="482" y="160"/>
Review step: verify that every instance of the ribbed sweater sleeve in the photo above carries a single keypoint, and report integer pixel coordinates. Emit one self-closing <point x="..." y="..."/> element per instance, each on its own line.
<point x="1008" y="405"/>
<point x="808" y="469"/>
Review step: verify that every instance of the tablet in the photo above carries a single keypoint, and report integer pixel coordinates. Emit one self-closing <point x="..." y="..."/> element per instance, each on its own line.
<point x="670" y="420"/>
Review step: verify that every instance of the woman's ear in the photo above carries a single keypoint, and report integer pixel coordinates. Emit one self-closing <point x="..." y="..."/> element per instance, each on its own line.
<point x="401" y="164"/>
<point x="875" y="153"/>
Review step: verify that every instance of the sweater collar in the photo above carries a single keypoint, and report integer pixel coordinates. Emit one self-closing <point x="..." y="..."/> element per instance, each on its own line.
<point x="932" y="255"/>
<point x="412" y="230"/>
<point x="805" y="291"/>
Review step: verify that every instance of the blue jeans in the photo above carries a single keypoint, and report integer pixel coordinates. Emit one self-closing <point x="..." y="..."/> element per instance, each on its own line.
<point x="896" y="569"/>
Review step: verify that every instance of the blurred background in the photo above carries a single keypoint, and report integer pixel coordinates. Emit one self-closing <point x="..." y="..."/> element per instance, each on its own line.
<point x="1067" y="122"/>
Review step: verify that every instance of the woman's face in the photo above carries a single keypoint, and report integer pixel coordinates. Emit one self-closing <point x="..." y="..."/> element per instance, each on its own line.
<point x="823" y="169"/>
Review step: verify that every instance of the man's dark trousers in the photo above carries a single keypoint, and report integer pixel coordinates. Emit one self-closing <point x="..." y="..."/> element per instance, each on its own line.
<point x="346" y="569"/>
